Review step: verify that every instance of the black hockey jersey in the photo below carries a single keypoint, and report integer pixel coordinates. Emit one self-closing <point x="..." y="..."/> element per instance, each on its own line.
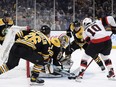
<point x="78" y="35"/>
<point x="35" y="40"/>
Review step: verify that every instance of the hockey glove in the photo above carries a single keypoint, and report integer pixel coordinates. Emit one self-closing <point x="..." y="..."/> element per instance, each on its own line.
<point x="113" y="30"/>
<point x="69" y="34"/>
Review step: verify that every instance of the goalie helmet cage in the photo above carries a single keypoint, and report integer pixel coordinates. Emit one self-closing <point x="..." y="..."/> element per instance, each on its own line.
<point x="28" y="69"/>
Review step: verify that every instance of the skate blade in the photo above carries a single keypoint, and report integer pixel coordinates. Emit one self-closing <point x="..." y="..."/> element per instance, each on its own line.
<point x="112" y="79"/>
<point x="36" y="84"/>
<point x="78" y="80"/>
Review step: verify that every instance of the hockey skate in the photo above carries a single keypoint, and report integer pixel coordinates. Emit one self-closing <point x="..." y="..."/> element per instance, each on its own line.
<point x="102" y="68"/>
<point x="36" y="81"/>
<point x="111" y="75"/>
<point x="79" y="76"/>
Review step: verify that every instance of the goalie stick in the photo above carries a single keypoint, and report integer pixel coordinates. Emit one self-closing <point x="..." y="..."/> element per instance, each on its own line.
<point x="62" y="72"/>
<point x="65" y="73"/>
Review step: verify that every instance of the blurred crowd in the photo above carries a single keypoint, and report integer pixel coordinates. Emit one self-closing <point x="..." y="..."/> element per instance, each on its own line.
<point x="58" y="14"/>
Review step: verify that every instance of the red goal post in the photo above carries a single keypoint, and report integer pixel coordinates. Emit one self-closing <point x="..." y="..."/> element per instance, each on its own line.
<point x="28" y="69"/>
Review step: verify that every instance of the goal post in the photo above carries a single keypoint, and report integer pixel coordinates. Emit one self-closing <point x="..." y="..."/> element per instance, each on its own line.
<point x="28" y="69"/>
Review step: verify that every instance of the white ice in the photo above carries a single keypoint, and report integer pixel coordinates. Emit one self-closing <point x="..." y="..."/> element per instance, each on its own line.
<point x="93" y="77"/>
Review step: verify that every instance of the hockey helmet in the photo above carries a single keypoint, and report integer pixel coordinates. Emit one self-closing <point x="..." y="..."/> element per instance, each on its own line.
<point x="45" y="29"/>
<point x="6" y="14"/>
<point x="86" y="22"/>
<point x="76" y="23"/>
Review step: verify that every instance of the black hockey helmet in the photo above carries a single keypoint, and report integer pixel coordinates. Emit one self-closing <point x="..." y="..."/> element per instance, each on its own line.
<point x="45" y="29"/>
<point x="76" y="23"/>
<point x="6" y="14"/>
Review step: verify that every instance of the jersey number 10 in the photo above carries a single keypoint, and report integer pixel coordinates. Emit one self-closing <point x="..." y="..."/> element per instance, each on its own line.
<point x="93" y="29"/>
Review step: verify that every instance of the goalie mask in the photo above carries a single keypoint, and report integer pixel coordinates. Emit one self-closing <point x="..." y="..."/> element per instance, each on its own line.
<point x="64" y="40"/>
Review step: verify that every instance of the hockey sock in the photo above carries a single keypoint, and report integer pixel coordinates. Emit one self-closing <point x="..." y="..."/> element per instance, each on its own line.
<point x="108" y="64"/>
<point x="83" y="63"/>
<point x="37" y="68"/>
<point x="3" y="68"/>
<point x="100" y="63"/>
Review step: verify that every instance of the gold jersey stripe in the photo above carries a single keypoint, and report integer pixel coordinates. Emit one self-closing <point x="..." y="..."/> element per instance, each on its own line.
<point x="1" y="69"/>
<point x="5" y="67"/>
<point x="26" y="43"/>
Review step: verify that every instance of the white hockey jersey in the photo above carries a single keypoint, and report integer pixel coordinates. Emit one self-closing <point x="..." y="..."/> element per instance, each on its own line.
<point x="96" y="31"/>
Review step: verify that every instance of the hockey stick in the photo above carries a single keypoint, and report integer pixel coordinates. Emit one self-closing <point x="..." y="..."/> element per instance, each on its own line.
<point x="85" y="68"/>
<point x="81" y="72"/>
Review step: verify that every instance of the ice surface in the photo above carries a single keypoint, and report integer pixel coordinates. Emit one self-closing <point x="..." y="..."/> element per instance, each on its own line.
<point x="93" y="77"/>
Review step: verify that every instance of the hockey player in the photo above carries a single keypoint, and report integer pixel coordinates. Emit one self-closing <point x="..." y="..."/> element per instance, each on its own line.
<point x="79" y="42"/>
<point x="58" y="45"/>
<point x="99" y="42"/>
<point x="5" y="22"/>
<point x="32" y="46"/>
